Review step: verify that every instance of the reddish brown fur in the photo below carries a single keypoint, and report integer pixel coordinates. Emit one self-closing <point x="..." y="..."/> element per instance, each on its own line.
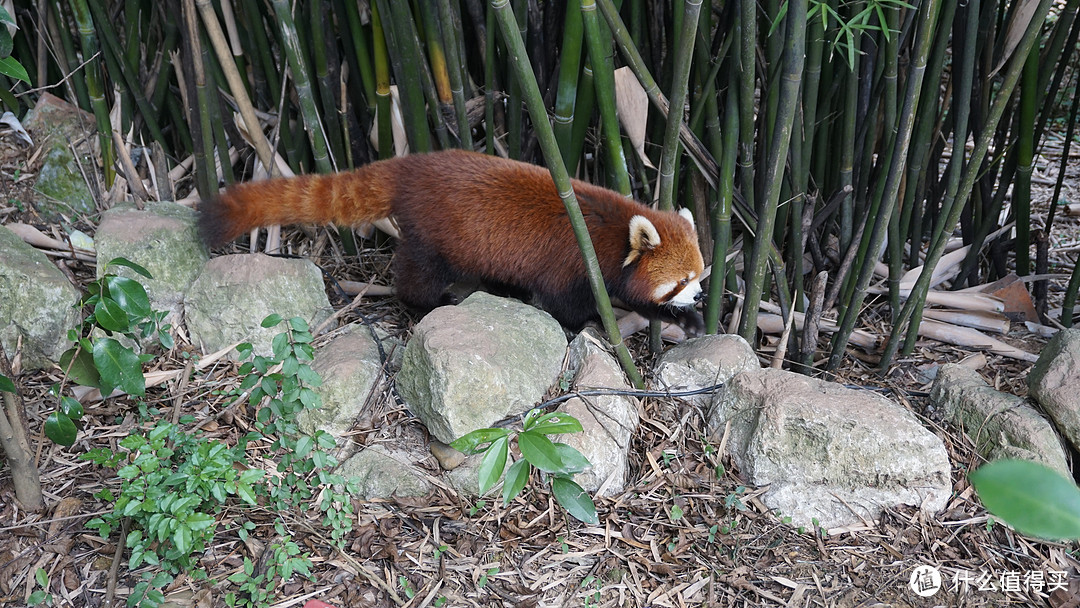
<point x="469" y="215"/>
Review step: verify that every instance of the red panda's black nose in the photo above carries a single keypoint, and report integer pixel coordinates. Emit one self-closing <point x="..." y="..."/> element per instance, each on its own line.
<point x="700" y="296"/>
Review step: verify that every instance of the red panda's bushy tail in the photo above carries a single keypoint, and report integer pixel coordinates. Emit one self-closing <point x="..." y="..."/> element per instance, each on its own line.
<point x="345" y="199"/>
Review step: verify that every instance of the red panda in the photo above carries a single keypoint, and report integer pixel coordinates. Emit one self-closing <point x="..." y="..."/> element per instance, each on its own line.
<point x="470" y="216"/>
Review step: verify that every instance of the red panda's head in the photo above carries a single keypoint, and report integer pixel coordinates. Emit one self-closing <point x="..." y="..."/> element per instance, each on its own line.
<point x="668" y="263"/>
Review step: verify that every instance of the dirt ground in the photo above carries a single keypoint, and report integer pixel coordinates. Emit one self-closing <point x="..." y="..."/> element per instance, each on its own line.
<point x="726" y="549"/>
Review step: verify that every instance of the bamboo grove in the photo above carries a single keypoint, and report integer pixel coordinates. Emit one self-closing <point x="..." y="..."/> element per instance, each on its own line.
<point x="816" y="140"/>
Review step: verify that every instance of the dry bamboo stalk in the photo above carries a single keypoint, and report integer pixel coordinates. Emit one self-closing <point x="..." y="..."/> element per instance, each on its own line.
<point x="772" y="323"/>
<point x="972" y="338"/>
<point x="981" y="320"/>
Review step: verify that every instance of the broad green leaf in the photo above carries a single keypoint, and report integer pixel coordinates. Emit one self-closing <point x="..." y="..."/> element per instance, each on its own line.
<point x="573" y="460"/>
<point x="298" y="324"/>
<point x="516" y="478"/>
<point x="182" y="539"/>
<point x="6" y="43"/>
<point x="60" y="429"/>
<point x="575" y="500"/>
<point x="493" y="463"/>
<point x="130" y="295"/>
<point x="120" y="261"/>
<point x="81" y="370"/>
<point x="271" y="320"/>
<point x="540" y="452"/>
<point x="6" y="384"/>
<point x="111" y="315"/>
<point x="71" y="407"/>
<point x="1031" y="497"/>
<point x="303" y="446"/>
<point x="118" y="366"/>
<point x="470" y="442"/>
<point x="41" y="577"/>
<point x="556" y="423"/>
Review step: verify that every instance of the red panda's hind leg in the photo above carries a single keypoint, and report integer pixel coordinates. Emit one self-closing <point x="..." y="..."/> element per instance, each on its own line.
<point x="420" y="278"/>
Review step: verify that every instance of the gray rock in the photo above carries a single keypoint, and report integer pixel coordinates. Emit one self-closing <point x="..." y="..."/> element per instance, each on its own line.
<point x="350" y="367"/>
<point x="607" y="421"/>
<point x="827" y="452"/>
<point x="161" y="238"/>
<point x="470" y="365"/>
<point x="37" y="303"/>
<point x="382" y="473"/>
<point x="1001" y="425"/>
<point x="1054" y="381"/>
<point x="234" y="293"/>
<point x="61" y="188"/>
<point x="704" y="362"/>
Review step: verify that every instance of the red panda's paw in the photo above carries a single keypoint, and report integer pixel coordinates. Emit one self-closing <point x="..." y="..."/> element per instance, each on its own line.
<point x="691" y="321"/>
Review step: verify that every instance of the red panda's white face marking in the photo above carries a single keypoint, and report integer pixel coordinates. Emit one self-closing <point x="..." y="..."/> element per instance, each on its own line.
<point x="679" y="293"/>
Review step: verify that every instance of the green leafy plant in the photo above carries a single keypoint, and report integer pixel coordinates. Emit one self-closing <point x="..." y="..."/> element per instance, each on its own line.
<point x="558" y="461"/>
<point x="175" y="484"/>
<point x="119" y="308"/>
<point x="1031" y="497"/>
<point x="41" y="595"/>
<point x="173" y="489"/>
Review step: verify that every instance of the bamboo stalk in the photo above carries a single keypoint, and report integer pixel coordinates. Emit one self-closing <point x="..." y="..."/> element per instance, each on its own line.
<point x="599" y="47"/>
<point x="456" y="72"/>
<point x="95" y="87"/>
<point x="787" y="100"/>
<point x="927" y="18"/>
<point x="971" y="171"/>
<point x="569" y="69"/>
<point x="533" y="99"/>
<point x="302" y="83"/>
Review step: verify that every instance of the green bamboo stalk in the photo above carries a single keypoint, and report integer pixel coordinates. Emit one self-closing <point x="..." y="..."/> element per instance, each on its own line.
<point x="361" y="57"/>
<point x="584" y="106"/>
<point x="95" y="87"/>
<point x="684" y="54"/>
<point x="569" y="69"/>
<point x="205" y="173"/>
<point x="927" y="19"/>
<point x="457" y="73"/>
<point x="325" y="84"/>
<point x="302" y="83"/>
<point x="217" y="122"/>
<point x="68" y="59"/>
<point x="599" y="47"/>
<point x="721" y="220"/>
<point x="126" y="76"/>
<point x="789" y="81"/>
<point x="489" y="79"/>
<point x="406" y="59"/>
<point x="970" y="174"/>
<point x="383" y="98"/>
<point x="236" y="84"/>
<point x="1069" y="302"/>
<point x="535" y="102"/>
<point x="1025" y="160"/>
<point x="919" y="162"/>
<point x="515" y="110"/>
<point x="746" y="31"/>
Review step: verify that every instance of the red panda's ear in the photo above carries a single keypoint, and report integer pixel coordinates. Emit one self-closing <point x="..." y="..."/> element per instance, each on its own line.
<point x="643" y="238"/>
<point x="685" y="213"/>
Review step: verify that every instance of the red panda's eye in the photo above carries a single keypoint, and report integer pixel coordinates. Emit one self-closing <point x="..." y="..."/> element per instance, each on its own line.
<point x="683" y="282"/>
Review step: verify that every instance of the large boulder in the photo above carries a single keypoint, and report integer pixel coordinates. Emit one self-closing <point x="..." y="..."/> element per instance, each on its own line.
<point x="607" y="421"/>
<point x="704" y="362"/>
<point x="470" y="365"/>
<point x="60" y="188"/>
<point x="1000" y="424"/>
<point x="350" y="367"/>
<point x="830" y="455"/>
<point x="37" y="303"/>
<point x="234" y="293"/>
<point x="161" y="238"/>
<point x="384" y="473"/>
<point x="1054" y="381"/>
